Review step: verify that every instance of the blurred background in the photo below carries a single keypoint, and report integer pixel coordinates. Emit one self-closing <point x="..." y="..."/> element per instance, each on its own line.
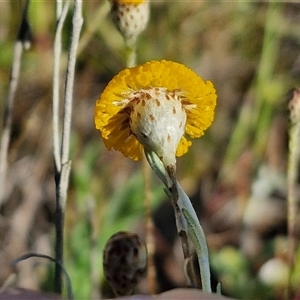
<point x="235" y="174"/>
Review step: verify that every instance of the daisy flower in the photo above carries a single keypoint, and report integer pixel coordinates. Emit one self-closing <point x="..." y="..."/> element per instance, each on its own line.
<point x="155" y="106"/>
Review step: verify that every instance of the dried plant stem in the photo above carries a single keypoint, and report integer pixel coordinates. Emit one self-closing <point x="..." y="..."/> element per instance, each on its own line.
<point x="7" y="119"/>
<point x="61" y="17"/>
<point x="292" y="176"/>
<point x="59" y="9"/>
<point x="77" y="25"/>
<point x="20" y="44"/>
<point x="293" y="166"/>
<point x="63" y="170"/>
<point x="30" y="255"/>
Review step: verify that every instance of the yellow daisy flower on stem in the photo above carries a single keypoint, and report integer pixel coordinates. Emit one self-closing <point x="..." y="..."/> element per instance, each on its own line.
<point x="154" y="105"/>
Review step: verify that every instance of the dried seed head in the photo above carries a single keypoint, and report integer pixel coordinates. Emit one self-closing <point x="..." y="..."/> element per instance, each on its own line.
<point x="124" y="262"/>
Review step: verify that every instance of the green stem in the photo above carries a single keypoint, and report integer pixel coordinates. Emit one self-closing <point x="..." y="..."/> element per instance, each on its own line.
<point x="130" y="48"/>
<point x="195" y="231"/>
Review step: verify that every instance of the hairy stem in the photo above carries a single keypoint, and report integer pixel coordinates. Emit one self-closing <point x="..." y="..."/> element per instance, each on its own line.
<point x="191" y="221"/>
<point x="63" y="170"/>
<point x="61" y="17"/>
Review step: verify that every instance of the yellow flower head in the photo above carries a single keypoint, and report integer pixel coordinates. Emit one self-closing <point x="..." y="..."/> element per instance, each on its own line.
<point x="153" y="105"/>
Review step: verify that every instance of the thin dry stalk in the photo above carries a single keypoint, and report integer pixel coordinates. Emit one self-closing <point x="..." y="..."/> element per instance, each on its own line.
<point x="292" y="176"/>
<point x="30" y="255"/>
<point x="63" y="169"/>
<point x="22" y="42"/>
<point x="60" y="17"/>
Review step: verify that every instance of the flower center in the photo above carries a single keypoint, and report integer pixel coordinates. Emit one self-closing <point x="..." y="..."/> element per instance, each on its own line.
<point x="158" y="120"/>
